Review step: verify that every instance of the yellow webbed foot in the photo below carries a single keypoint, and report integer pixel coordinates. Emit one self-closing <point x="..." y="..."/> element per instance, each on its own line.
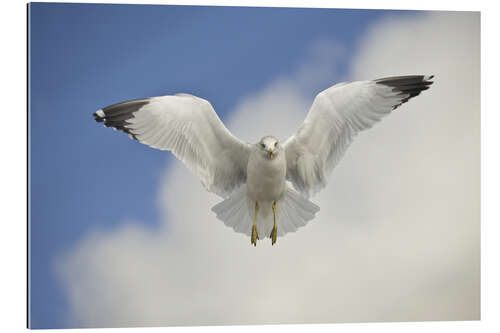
<point x="274" y="235"/>
<point x="255" y="235"/>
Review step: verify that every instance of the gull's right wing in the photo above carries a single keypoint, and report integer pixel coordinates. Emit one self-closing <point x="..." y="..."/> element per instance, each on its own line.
<point x="189" y="127"/>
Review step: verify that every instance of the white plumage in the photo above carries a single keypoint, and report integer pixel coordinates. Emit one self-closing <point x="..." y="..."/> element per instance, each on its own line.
<point x="252" y="177"/>
<point x="189" y="127"/>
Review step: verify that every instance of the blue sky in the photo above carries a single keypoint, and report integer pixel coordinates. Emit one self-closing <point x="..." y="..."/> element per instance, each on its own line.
<point x="86" y="56"/>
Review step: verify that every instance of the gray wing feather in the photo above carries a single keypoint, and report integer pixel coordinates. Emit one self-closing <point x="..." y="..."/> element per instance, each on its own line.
<point x="336" y="116"/>
<point x="189" y="127"/>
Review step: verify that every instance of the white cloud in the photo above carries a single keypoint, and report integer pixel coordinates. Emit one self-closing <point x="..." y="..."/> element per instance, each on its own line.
<point x="397" y="237"/>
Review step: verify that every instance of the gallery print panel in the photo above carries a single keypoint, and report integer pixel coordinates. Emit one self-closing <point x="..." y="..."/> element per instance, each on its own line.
<point x="267" y="165"/>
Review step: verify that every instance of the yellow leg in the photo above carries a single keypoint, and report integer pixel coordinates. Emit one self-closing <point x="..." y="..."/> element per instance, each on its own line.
<point x="274" y="232"/>
<point x="255" y="234"/>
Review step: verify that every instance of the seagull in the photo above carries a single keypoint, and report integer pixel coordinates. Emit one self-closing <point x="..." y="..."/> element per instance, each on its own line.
<point x="265" y="186"/>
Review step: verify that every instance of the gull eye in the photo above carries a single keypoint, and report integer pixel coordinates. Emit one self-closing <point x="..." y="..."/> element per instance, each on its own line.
<point x="263" y="145"/>
<point x="276" y="143"/>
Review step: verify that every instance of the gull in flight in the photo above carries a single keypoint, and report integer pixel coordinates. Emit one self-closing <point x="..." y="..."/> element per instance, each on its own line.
<point x="252" y="178"/>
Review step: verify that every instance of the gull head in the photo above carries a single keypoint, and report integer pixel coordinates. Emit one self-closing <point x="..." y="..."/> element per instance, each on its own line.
<point x="269" y="146"/>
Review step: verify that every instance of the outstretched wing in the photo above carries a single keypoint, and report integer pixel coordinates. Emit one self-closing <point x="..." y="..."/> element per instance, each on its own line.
<point x="336" y="116"/>
<point x="189" y="127"/>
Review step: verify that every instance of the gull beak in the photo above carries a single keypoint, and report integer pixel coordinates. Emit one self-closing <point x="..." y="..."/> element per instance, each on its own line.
<point x="271" y="153"/>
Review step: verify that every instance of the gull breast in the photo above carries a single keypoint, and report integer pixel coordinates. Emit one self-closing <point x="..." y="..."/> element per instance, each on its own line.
<point x="266" y="177"/>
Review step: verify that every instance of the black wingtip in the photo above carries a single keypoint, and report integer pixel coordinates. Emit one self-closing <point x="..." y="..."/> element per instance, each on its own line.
<point x="117" y="115"/>
<point x="98" y="117"/>
<point x="406" y="80"/>
<point x="409" y="85"/>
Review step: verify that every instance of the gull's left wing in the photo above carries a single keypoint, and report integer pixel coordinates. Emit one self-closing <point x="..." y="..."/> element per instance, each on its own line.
<point x="336" y="116"/>
<point x="189" y="127"/>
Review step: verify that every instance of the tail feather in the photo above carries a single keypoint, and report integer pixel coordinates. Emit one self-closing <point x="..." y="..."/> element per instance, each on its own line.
<point x="293" y="212"/>
<point x="304" y="211"/>
<point x="234" y="212"/>
<point x="285" y="223"/>
<point x="296" y="212"/>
